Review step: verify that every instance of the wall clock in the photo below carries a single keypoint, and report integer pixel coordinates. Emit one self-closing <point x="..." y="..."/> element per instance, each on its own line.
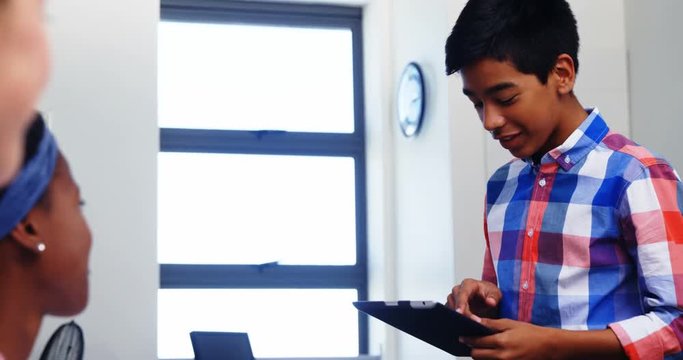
<point x="411" y="100"/>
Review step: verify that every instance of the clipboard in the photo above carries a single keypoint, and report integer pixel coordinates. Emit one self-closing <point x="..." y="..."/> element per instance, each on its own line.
<point x="428" y="321"/>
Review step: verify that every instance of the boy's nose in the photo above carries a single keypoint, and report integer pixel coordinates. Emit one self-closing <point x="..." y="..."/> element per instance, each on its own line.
<point x="492" y="119"/>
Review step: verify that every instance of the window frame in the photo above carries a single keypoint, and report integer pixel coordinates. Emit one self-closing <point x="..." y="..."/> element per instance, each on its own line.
<point x="269" y="142"/>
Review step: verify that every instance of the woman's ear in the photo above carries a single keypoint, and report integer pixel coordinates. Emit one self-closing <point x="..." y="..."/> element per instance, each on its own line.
<point x="564" y="74"/>
<point x="27" y="237"/>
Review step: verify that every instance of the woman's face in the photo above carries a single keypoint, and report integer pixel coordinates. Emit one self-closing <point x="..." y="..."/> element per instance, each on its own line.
<point x="63" y="266"/>
<point x="24" y="69"/>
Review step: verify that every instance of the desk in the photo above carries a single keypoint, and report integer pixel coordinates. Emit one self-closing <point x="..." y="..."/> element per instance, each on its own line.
<point x="362" y="357"/>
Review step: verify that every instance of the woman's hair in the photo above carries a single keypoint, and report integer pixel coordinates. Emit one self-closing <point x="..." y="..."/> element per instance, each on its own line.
<point x="530" y="34"/>
<point x="33" y="136"/>
<point x="29" y="189"/>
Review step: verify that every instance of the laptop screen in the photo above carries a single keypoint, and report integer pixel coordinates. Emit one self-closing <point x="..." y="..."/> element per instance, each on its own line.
<point x="210" y="345"/>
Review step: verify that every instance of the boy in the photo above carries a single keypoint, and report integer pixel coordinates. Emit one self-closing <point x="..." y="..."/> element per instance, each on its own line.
<point x="584" y="229"/>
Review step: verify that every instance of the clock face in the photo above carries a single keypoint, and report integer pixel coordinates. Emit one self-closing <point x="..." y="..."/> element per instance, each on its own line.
<point x="411" y="100"/>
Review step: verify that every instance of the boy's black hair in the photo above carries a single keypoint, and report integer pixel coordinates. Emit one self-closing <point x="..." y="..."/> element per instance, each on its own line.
<point x="530" y="34"/>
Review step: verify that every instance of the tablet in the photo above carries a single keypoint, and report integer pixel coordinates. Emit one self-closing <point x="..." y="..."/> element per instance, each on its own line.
<point x="428" y="321"/>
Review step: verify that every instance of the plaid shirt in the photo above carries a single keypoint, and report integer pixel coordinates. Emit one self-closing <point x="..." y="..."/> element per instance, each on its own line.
<point x="591" y="238"/>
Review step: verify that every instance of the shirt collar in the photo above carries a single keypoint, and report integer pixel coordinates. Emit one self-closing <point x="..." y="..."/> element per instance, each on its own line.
<point x="584" y="139"/>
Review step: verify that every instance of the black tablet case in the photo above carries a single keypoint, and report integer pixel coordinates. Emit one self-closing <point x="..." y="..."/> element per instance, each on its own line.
<point x="429" y="321"/>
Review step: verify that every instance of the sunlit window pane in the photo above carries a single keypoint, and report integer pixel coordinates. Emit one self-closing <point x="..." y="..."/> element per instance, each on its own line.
<point x="280" y="323"/>
<point x="254" y="209"/>
<point x="248" y="77"/>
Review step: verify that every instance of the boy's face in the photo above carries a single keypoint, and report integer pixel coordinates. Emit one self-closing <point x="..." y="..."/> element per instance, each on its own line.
<point x="24" y="68"/>
<point x="517" y="109"/>
<point x="64" y="263"/>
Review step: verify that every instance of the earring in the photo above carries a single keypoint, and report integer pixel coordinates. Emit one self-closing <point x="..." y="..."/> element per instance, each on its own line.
<point x="41" y="247"/>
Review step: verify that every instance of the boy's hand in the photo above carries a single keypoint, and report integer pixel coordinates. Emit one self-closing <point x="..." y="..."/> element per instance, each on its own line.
<point x="514" y="340"/>
<point x="520" y="340"/>
<point x="475" y="297"/>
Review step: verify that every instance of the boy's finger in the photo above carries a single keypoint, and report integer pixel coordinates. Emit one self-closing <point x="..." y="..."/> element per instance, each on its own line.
<point x="484" y="342"/>
<point x="451" y="300"/>
<point x="492" y="297"/>
<point x="450" y="303"/>
<point x="462" y="303"/>
<point x="497" y="325"/>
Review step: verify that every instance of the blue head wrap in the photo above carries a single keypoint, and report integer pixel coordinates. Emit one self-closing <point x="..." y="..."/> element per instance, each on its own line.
<point x="31" y="182"/>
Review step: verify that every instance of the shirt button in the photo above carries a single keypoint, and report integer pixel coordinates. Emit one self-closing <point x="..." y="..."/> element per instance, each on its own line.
<point x="567" y="159"/>
<point x="530" y="232"/>
<point x="542" y="182"/>
<point x="525" y="286"/>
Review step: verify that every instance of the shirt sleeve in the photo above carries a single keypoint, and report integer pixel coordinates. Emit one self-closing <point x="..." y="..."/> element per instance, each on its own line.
<point x="652" y="225"/>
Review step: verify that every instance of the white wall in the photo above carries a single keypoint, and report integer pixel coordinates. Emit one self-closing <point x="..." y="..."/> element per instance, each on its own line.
<point x="379" y="74"/>
<point x="409" y="179"/>
<point x="656" y="83"/>
<point x="603" y="75"/>
<point x="102" y="105"/>
<point x="422" y="178"/>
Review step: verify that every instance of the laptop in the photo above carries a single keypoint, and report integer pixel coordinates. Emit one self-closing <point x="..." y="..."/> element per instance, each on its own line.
<point x="428" y="321"/>
<point x="211" y="345"/>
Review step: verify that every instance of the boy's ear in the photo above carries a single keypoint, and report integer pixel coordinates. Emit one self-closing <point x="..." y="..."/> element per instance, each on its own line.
<point x="26" y="236"/>
<point x="564" y="74"/>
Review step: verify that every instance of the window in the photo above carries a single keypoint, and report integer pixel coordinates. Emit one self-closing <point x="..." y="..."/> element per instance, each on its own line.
<point x="261" y="206"/>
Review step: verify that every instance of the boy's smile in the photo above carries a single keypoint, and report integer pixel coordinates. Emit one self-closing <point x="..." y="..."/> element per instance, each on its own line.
<point x="523" y="114"/>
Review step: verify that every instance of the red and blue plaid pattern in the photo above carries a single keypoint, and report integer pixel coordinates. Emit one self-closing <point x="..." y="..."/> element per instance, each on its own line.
<point x="590" y="238"/>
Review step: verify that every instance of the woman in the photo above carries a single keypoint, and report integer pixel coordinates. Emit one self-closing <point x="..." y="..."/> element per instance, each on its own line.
<point x="44" y="248"/>
<point x="24" y="69"/>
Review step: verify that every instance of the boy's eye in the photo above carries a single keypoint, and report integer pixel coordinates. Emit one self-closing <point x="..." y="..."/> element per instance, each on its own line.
<point x="81" y="203"/>
<point x="507" y="101"/>
<point x="478" y="104"/>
